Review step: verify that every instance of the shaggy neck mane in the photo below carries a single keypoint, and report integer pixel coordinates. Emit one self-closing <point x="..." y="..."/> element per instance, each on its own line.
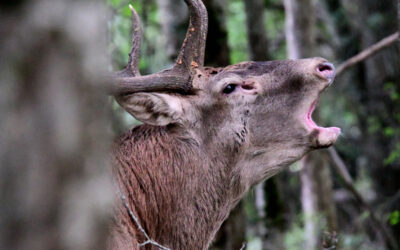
<point x="179" y="193"/>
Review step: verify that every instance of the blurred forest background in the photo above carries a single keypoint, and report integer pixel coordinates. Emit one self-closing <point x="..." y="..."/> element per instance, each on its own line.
<point x="55" y="126"/>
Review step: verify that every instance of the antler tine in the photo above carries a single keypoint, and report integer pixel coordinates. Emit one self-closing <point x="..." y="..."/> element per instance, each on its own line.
<point x="191" y="54"/>
<point x="134" y="56"/>
<point x="132" y="69"/>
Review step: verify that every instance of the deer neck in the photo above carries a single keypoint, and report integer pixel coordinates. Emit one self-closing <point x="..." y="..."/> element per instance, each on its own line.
<point x="180" y="191"/>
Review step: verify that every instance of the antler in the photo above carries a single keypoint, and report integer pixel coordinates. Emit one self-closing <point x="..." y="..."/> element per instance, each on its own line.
<point x="192" y="51"/>
<point x="176" y="79"/>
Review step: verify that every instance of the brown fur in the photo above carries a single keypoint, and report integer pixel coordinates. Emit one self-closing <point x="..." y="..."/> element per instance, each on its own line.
<point x="179" y="192"/>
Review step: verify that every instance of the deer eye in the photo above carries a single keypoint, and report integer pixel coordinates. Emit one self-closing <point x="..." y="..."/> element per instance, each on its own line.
<point x="229" y="88"/>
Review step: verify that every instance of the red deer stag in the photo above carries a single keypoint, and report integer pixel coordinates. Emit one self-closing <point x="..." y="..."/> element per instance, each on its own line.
<point x="209" y="134"/>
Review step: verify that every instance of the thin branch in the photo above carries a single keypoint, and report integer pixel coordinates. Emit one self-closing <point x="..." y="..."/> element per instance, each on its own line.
<point x="341" y="169"/>
<point x="136" y="221"/>
<point x="385" y="42"/>
<point x="133" y="217"/>
<point x="154" y="244"/>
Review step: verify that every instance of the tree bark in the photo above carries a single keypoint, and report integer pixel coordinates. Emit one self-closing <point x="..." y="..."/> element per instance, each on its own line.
<point x="273" y="222"/>
<point x="317" y="199"/>
<point x="256" y="32"/>
<point x="174" y="22"/>
<point x="54" y="183"/>
<point x="300" y="37"/>
<point x="398" y="18"/>
<point x="217" y="49"/>
<point x="309" y="204"/>
<point x="232" y="233"/>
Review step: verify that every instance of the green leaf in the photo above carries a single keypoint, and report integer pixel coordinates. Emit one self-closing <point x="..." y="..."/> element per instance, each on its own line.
<point x="394" y="217"/>
<point x="389" y="131"/>
<point x="393" y="156"/>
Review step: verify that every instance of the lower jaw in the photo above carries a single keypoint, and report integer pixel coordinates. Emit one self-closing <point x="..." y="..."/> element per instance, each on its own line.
<point x="327" y="136"/>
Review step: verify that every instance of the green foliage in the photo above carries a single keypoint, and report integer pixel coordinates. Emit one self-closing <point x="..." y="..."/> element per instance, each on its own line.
<point x="389" y="131"/>
<point x="391" y="89"/>
<point x="394" y="217"/>
<point x="119" y="27"/>
<point x="376" y="20"/>
<point x="237" y="35"/>
<point x="119" y="44"/>
<point x="364" y="185"/>
<point x="374" y="124"/>
<point x="153" y="47"/>
<point x="294" y="237"/>
<point x="354" y="241"/>
<point x="119" y="47"/>
<point x="394" y="156"/>
<point x="254" y="243"/>
<point x="275" y="28"/>
<point x="250" y="208"/>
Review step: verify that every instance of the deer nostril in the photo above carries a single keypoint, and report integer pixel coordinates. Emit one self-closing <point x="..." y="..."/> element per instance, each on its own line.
<point x="326" y="69"/>
<point x="322" y="68"/>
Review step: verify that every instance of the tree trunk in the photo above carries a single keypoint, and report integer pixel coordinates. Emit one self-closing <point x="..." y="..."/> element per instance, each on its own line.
<point x="217" y="49"/>
<point x="273" y="223"/>
<point x="256" y="32"/>
<point x="174" y="22"/>
<point x="309" y="204"/>
<point x="232" y="233"/>
<point x="54" y="183"/>
<point x="300" y="37"/>
<point x="317" y="197"/>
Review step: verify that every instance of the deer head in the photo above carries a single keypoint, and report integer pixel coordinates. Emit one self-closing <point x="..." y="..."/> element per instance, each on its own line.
<point x="222" y="131"/>
<point x="259" y="112"/>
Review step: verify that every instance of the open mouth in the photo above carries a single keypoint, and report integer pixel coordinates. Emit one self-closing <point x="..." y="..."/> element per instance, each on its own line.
<point x="325" y="136"/>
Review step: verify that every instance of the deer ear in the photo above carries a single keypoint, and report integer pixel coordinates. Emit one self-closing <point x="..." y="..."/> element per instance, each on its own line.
<point x="153" y="108"/>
